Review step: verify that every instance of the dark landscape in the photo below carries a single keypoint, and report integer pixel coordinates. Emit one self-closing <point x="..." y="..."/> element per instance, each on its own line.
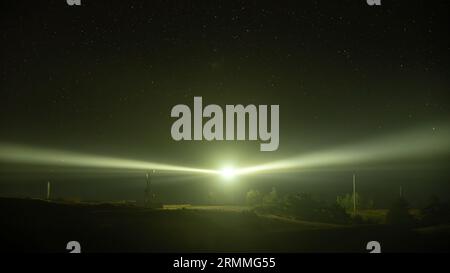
<point x="31" y="225"/>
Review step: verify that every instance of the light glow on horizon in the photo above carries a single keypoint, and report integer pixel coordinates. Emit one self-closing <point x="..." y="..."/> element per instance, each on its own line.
<point x="39" y="156"/>
<point x="417" y="144"/>
<point x="228" y="173"/>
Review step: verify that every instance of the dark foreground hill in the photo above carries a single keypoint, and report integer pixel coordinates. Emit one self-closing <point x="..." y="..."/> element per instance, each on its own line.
<point x="40" y="226"/>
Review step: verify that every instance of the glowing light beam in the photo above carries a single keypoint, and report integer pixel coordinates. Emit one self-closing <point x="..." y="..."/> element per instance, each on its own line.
<point x="228" y="172"/>
<point x="38" y="156"/>
<point x="413" y="144"/>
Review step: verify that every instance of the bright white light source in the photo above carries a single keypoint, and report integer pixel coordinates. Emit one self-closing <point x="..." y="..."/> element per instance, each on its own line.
<point x="228" y="172"/>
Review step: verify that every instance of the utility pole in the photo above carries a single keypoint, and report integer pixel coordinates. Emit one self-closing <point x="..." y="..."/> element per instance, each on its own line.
<point x="148" y="199"/>
<point x="48" y="190"/>
<point x="354" y="194"/>
<point x="147" y="190"/>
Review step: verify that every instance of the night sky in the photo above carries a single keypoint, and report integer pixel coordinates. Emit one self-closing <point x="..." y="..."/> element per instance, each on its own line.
<point x="102" y="78"/>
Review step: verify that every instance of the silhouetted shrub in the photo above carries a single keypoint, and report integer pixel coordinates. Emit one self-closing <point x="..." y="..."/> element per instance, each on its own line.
<point x="336" y="214"/>
<point x="346" y="201"/>
<point x="253" y="198"/>
<point x="271" y="198"/>
<point x="358" y="220"/>
<point x="304" y="207"/>
<point x="398" y="214"/>
<point x="435" y="212"/>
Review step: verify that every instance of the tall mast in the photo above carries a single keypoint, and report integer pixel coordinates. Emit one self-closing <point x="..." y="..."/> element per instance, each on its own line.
<point x="354" y="194"/>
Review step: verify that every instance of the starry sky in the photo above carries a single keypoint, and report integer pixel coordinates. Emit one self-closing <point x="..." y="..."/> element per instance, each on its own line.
<point x="103" y="77"/>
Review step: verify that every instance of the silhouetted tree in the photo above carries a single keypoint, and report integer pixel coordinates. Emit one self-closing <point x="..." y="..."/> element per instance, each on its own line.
<point x="303" y="206"/>
<point x="253" y="198"/>
<point x="398" y="213"/>
<point x="337" y="214"/>
<point x="346" y="202"/>
<point x="271" y="198"/>
<point x="435" y="212"/>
